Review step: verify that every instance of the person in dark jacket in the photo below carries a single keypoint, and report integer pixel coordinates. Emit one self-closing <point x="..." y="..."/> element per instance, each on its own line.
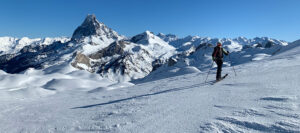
<point x="217" y="57"/>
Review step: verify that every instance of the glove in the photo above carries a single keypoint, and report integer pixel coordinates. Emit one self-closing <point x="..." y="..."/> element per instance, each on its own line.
<point x="228" y="52"/>
<point x="214" y="58"/>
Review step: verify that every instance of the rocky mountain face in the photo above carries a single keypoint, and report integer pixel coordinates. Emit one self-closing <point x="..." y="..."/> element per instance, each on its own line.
<point x="38" y="57"/>
<point x="128" y="59"/>
<point x="91" y="36"/>
<point x="96" y="48"/>
<point x="92" y="27"/>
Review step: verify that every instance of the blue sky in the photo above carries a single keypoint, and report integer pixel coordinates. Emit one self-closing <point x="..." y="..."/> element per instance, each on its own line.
<point x="278" y="19"/>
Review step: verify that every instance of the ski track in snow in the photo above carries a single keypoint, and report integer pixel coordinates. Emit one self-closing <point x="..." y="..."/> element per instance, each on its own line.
<point x="257" y="100"/>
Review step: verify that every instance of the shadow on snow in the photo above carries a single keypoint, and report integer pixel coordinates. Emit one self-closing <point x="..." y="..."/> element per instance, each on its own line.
<point x="144" y="95"/>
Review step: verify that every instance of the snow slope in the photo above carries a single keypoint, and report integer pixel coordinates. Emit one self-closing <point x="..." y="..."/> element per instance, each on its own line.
<point x="259" y="99"/>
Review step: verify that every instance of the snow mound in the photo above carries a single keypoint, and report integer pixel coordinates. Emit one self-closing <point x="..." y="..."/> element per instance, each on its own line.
<point x="33" y="83"/>
<point x="168" y="72"/>
<point x="70" y="84"/>
<point x="112" y="87"/>
<point x="188" y="70"/>
<point x="260" y="57"/>
<point x="20" y="86"/>
<point x="119" y="85"/>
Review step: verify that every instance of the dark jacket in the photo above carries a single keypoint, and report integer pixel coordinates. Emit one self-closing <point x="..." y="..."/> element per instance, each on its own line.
<point x="218" y="53"/>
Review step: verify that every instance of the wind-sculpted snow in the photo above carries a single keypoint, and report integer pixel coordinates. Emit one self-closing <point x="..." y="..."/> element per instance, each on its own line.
<point x="80" y="85"/>
<point x="59" y="100"/>
<point x="36" y="83"/>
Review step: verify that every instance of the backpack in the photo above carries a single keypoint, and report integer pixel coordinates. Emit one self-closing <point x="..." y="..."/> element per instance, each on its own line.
<point x="218" y="52"/>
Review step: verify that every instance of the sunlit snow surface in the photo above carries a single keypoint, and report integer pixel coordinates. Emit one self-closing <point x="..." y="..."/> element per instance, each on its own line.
<point x="263" y="97"/>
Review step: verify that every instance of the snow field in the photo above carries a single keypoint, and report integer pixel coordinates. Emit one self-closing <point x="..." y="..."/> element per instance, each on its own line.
<point x="259" y="99"/>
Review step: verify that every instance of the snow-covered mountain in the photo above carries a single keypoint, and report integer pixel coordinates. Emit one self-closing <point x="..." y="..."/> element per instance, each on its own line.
<point x="88" y="38"/>
<point x="92" y="27"/>
<point x="196" y="51"/>
<point x="128" y="59"/>
<point x="10" y="45"/>
<point x="167" y="38"/>
<point x="115" y="57"/>
<point x="96" y="48"/>
<point x="93" y="35"/>
<point x="236" y="44"/>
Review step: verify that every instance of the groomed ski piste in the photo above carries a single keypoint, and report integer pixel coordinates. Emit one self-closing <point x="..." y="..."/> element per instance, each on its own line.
<point x="263" y="97"/>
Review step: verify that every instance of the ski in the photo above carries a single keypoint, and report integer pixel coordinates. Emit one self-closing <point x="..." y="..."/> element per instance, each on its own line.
<point x="216" y="81"/>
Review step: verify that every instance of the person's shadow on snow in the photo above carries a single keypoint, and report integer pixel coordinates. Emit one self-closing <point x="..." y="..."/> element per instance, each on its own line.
<point x="144" y="95"/>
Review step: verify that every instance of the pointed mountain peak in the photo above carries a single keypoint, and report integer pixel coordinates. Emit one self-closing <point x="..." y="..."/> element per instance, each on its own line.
<point x="92" y="27"/>
<point x="171" y="35"/>
<point x="168" y="37"/>
<point x="143" y="37"/>
<point x="161" y="35"/>
<point x="147" y="32"/>
<point x="90" y="20"/>
<point x="241" y="37"/>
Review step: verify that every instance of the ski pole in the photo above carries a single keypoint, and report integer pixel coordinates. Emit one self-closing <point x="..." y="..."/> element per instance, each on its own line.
<point x="209" y="71"/>
<point x="231" y="64"/>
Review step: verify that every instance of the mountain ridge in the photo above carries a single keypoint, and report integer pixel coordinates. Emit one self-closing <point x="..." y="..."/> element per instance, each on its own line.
<point x="96" y="48"/>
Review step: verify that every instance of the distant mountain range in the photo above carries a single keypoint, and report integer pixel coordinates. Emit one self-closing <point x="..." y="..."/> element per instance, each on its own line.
<point x="96" y="48"/>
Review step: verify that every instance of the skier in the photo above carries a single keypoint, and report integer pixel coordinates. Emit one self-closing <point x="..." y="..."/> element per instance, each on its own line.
<point x="217" y="57"/>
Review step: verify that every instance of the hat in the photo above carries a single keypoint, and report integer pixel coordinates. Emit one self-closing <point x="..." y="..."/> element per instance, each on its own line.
<point x="219" y="44"/>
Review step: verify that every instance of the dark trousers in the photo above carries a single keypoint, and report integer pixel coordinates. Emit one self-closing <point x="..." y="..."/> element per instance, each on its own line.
<point x="219" y="70"/>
